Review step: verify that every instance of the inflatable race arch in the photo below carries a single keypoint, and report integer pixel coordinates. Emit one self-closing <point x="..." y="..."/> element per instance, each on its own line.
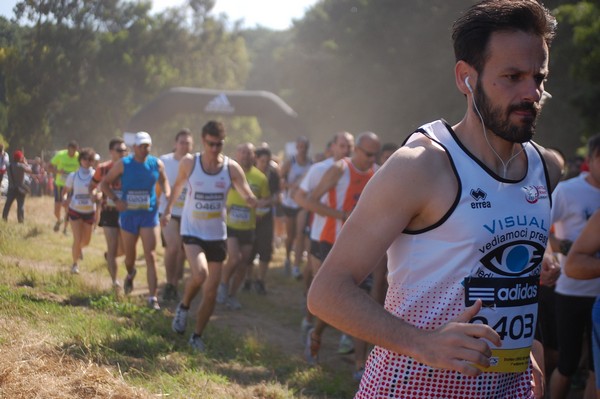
<point x="270" y="110"/>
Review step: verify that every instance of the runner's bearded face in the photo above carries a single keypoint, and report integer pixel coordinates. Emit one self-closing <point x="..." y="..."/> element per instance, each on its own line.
<point x="509" y="89"/>
<point x="498" y="119"/>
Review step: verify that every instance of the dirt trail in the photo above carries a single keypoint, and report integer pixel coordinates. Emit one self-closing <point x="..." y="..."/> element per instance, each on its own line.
<point x="274" y="318"/>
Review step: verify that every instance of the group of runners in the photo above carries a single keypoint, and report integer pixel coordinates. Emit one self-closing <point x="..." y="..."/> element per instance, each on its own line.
<point x="216" y="212"/>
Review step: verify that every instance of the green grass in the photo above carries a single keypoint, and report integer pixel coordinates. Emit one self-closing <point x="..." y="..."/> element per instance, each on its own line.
<point x="85" y="322"/>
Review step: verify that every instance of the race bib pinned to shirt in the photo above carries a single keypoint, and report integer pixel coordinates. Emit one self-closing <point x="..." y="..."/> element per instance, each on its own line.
<point x="138" y="200"/>
<point x="510" y="308"/>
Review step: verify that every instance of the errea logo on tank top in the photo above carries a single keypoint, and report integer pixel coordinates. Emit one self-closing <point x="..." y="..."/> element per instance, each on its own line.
<point x="479" y="196"/>
<point x="535" y="193"/>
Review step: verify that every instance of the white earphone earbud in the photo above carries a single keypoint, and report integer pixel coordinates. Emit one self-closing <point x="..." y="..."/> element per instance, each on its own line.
<point x="468" y="84"/>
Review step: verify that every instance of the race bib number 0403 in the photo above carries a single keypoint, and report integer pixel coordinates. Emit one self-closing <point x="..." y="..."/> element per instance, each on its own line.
<point x="510" y="308"/>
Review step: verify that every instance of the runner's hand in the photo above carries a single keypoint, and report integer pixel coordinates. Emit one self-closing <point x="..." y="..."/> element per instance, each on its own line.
<point x="164" y="219"/>
<point x="458" y="345"/>
<point x="252" y="202"/>
<point x="120" y="205"/>
<point x="550" y="270"/>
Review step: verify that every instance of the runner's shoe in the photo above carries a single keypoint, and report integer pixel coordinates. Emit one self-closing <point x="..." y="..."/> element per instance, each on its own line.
<point x="222" y="293"/>
<point x="259" y="286"/>
<point x="296" y="273"/>
<point x="116" y="288"/>
<point x="311" y="349"/>
<point x="153" y="303"/>
<point x="180" y="320"/>
<point x="128" y="283"/>
<point x="75" y="269"/>
<point x="56" y="226"/>
<point x="233" y="304"/>
<point x="346" y="345"/>
<point x="196" y="343"/>
<point x="247" y="285"/>
<point x="305" y="327"/>
<point x="170" y="293"/>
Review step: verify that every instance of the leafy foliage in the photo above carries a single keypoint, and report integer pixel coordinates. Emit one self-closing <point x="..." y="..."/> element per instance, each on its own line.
<point x="387" y="66"/>
<point x="583" y="21"/>
<point x="80" y="69"/>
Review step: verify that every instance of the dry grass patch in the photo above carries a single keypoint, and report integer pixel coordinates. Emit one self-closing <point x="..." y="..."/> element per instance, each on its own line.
<point x="32" y="367"/>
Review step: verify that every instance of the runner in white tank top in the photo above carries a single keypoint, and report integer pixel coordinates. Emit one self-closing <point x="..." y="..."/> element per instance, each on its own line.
<point x="342" y="146"/>
<point x="463" y="213"/>
<point x="81" y="205"/>
<point x="204" y="211"/>
<point x="174" y="254"/>
<point x="207" y="177"/>
<point x="292" y="171"/>
<point x="505" y="223"/>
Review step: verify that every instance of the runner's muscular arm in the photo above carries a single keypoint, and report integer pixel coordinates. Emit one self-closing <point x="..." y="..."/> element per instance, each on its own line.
<point x="94" y="186"/>
<point x="238" y="179"/>
<point x="328" y="181"/>
<point x="183" y="173"/>
<point x="582" y="262"/>
<point x="96" y="179"/>
<point x="113" y="174"/>
<point x="163" y="180"/>
<point x="52" y="167"/>
<point x="377" y="220"/>
<point x="65" y="194"/>
<point x="283" y="174"/>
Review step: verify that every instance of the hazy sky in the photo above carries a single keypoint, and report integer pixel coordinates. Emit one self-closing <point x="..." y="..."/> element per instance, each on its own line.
<point x="274" y="14"/>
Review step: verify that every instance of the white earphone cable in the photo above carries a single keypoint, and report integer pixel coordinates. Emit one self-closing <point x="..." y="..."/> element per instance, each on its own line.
<point x="504" y="164"/>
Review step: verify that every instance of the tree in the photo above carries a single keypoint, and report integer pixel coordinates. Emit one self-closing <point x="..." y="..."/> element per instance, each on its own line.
<point x="386" y="66"/>
<point x="583" y="22"/>
<point x="80" y="69"/>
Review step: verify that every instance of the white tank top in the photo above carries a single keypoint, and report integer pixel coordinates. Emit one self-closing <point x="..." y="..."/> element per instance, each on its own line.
<point x="575" y="201"/>
<point x="296" y="172"/>
<point x="490" y="246"/>
<point x="79" y="182"/>
<point x="309" y="183"/>
<point x="204" y="210"/>
<point x="171" y="170"/>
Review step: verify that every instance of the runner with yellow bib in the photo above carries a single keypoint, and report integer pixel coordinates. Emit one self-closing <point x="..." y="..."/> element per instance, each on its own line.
<point x="241" y="225"/>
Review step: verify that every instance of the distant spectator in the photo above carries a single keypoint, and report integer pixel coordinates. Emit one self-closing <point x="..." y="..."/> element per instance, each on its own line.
<point x="16" y="171"/>
<point x="38" y="177"/>
<point x="4" y="161"/>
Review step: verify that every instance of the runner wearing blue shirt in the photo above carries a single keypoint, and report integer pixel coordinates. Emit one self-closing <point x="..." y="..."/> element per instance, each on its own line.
<point x="138" y="207"/>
